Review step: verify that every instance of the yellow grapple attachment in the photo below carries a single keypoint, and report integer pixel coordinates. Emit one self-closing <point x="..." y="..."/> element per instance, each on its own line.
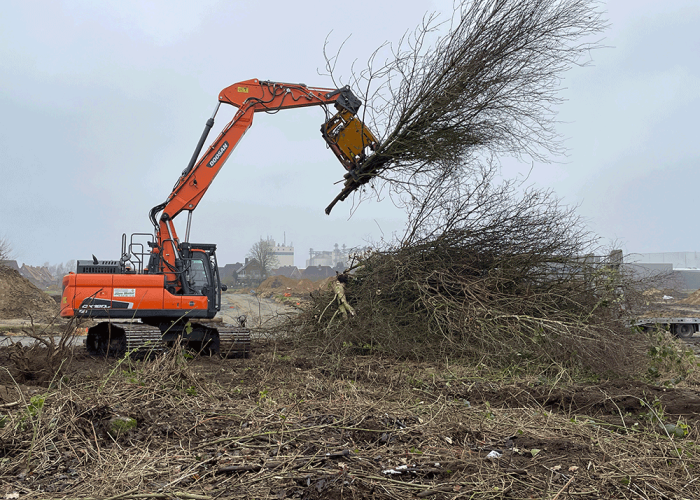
<point x="349" y="138"/>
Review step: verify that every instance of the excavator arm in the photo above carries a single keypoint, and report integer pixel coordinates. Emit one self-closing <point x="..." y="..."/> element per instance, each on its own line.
<point x="344" y="133"/>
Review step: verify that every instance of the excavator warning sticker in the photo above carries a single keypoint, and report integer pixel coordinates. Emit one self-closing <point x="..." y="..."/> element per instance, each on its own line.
<point x="124" y="292"/>
<point x="244" y="90"/>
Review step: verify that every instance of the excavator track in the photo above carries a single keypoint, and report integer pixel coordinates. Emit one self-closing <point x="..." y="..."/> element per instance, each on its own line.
<point x="234" y="342"/>
<point x="142" y="341"/>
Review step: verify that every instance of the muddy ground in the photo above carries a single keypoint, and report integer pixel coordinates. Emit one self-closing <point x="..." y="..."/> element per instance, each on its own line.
<point x="292" y="423"/>
<point x="288" y="424"/>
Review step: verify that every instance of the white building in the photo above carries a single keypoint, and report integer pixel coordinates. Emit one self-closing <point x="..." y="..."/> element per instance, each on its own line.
<point x="331" y="258"/>
<point x="284" y="254"/>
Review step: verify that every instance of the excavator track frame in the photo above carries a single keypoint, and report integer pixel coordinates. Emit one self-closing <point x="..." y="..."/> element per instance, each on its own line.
<point x="142" y="341"/>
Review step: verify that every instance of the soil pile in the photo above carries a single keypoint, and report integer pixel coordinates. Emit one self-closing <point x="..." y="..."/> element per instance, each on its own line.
<point x="275" y="285"/>
<point x="693" y="299"/>
<point x="20" y="299"/>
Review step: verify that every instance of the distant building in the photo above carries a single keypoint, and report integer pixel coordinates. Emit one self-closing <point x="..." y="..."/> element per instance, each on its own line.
<point x="287" y="271"/>
<point x="251" y="271"/>
<point x="229" y="273"/>
<point x="284" y="254"/>
<point x="338" y="257"/>
<point x="685" y="260"/>
<point x="673" y="269"/>
<point x="40" y="276"/>
<point x="316" y="273"/>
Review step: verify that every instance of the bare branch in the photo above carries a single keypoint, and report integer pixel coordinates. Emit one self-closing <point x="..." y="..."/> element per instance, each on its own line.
<point x="5" y="250"/>
<point x="483" y="84"/>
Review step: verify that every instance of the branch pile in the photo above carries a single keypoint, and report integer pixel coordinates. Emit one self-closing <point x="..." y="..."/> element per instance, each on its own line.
<point x="499" y="278"/>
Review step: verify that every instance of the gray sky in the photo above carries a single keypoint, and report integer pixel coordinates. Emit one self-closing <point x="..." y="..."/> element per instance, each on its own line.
<point x="102" y="104"/>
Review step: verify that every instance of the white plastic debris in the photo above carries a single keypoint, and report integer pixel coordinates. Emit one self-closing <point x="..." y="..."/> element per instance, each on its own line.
<point x="493" y="455"/>
<point x="448" y="439"/>
<point x="668" y="297"/>
<point x="396" y="470"/>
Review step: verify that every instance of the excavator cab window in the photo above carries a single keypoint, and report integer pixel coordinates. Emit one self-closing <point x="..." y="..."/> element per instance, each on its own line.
<point x="199" y="274"/>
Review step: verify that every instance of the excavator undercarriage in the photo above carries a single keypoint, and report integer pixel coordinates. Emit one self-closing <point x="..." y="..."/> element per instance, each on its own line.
<point x="141" y="341"/>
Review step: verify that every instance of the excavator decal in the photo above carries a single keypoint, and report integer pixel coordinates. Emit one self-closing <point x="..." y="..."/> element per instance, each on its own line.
<point x="91" y="303"/>
<point x="217" y="156"/>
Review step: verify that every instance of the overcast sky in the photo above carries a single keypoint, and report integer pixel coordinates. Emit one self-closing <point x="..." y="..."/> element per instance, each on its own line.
<point x="102" y="104"/>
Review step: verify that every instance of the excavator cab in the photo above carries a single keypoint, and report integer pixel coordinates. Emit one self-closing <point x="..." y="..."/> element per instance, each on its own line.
<point x="200" y="273"/>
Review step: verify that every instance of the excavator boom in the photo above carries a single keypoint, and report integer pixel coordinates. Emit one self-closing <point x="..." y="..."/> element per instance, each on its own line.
<point x="156" y="302"/>
<point x="344" y="133"/>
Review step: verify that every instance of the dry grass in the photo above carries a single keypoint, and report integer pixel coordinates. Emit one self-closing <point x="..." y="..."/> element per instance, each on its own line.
<point x="285" y="425"/>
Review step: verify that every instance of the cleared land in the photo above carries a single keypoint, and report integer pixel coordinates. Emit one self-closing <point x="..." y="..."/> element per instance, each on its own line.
<point x="286" y="425"/>
<point x="295" y="423"/>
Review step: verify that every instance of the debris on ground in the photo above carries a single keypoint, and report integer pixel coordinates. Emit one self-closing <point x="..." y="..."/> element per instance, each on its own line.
<point x="285" y="424"/>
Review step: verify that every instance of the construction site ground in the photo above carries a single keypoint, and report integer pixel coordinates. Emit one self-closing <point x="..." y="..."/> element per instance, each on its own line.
<point x="287" y="424"/>
<point x="292" y="423"/>
<point x="259" y="310"/>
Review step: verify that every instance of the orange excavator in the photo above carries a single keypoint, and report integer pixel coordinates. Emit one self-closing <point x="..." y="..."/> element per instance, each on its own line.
<point x="152" y="297"/>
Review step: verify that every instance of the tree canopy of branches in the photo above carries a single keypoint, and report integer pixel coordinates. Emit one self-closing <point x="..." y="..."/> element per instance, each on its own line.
<point x="488" y="270"/>
<point x="489" y="86"/>
<point x="263" y="252"/>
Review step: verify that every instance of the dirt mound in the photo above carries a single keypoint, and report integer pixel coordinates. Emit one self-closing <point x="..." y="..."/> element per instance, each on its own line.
<point x="692" y="299"/>
<point x="20" y="299"/>
<point x="283" y="285"/>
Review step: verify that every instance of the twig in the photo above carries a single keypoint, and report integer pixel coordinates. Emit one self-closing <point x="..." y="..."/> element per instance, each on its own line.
<point x="564" y="487"/>
<point x="97" y="444"/>
<point x="121" y="495"/>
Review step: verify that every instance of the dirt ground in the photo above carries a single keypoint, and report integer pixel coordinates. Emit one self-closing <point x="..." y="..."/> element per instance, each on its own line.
<point x="291" y="423"/>
<point x="259" y="311"/>
<point x="287" y="424"/>
<point x="281" y="287"/>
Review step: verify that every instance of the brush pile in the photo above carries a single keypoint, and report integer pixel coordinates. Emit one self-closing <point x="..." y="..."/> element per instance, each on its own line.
<point x="497" y="277"/>
<point x="450" y="299"/>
